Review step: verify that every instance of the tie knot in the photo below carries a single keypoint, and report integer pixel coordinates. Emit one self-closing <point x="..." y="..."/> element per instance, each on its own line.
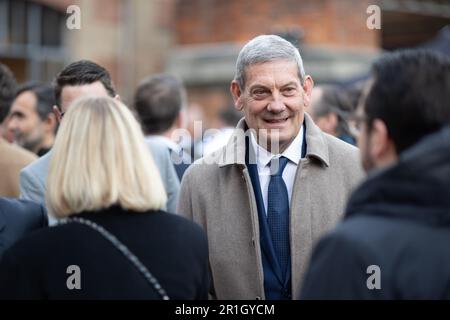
<point x="277" y="166"/>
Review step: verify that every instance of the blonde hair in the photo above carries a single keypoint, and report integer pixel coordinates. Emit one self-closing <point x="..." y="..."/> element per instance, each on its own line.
<point x="100" y="159"/>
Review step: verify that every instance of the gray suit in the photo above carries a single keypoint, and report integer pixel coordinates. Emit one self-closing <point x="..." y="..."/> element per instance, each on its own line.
<point x="34" y="176"/>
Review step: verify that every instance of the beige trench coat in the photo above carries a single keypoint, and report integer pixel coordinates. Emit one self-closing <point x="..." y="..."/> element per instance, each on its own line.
<point x="217" y="193"/>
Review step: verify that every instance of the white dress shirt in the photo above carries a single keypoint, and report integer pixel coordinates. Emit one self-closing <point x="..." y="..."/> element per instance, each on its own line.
<point x="263" y="158"/>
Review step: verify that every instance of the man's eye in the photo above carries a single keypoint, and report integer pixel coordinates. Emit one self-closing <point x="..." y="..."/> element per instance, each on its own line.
<point x="289" y="90"/>
<point x="260" y="92"/>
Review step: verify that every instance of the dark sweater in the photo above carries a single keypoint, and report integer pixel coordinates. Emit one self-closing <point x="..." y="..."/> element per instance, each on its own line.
<point x="172" y="248"/>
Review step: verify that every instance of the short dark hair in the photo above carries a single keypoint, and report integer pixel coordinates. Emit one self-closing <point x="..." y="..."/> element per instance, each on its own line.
<point x="45" y="97"/>
<point x="158" y="101"/>
<point x="80" y="73"/>
<point x="410" y="94"/>
<point x="7" y="90"/>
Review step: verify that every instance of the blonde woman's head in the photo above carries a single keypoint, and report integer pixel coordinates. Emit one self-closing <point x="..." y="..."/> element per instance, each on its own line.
<point x="100" y="159"/>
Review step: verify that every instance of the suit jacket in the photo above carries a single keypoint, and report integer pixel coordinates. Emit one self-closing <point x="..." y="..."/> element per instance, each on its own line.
<point x="18" y="218"/>
<point x="216" y="192"/>
<point x="36" y="266"/>
<point x="12" y="160"/>
<point x="33" y="177"/>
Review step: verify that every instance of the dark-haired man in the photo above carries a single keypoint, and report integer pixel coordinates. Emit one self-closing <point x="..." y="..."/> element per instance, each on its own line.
<point x="159" y="102"/>
<point x="32" y="120"/>
<point x="79" y="79"/>
<point x="393" y="242"/>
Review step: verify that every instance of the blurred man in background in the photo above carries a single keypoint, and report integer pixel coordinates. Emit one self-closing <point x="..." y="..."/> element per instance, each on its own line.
<point x="160" y="103"/>
<point x="12" y="158"/>
<point x="32" y="120"/>
<point x="331" y="109"/>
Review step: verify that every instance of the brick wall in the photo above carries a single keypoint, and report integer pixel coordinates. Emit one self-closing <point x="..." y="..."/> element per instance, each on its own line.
<point x="327" y="22"/>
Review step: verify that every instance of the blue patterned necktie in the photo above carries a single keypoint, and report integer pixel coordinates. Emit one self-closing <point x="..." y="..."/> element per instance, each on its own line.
<point x="278" y="212"/>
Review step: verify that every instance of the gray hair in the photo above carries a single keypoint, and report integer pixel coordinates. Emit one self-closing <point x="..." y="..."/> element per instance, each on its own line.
<point x="266" y="48"/>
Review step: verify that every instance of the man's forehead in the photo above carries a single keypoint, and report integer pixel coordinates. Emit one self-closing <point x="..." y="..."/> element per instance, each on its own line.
<point x="278" y="70"/>
<point x="25" y="98"/>
<point x="89" y="88"/>
<point x="69" y="93"/>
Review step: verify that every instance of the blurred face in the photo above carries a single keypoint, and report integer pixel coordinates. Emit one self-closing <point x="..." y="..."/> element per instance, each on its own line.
<point x="72" y="93"/>
<point x="364" y="145"/>
<point x="362" y="130"/>
<point x="25" y="123"/>
<point x="273" y="101"/>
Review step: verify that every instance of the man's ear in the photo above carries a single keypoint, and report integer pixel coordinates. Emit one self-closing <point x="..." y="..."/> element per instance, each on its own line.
<point x="51" y="122"/>
<point x="308" y="85"/>
<point x="236" y="93"/>
<point x="117" y="97"/>
<point x="57" y="113"/>
<point x="381" y="144"/>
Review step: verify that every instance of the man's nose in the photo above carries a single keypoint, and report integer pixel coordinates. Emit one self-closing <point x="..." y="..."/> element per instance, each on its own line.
<point x="277" y="104"/>
<point x="12" y="124"/>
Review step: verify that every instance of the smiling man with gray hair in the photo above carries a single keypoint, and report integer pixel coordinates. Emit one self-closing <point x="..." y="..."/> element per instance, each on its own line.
<point x="276" y="187"/>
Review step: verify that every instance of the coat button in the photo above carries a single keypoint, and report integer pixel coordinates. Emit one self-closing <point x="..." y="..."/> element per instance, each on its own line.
<point x="253" y="242"/>
<point x="258" y="298"/>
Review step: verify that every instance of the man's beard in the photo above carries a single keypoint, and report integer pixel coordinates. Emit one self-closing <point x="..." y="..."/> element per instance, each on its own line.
<point x="27" y="143"/>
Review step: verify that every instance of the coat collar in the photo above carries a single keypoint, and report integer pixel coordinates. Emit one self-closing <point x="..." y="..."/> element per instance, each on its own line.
<point x="235" y="148"/>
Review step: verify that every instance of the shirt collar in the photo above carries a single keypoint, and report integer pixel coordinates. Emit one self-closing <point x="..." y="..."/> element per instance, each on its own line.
<point x="293" y="152"/>
<point x="169" y="143"/>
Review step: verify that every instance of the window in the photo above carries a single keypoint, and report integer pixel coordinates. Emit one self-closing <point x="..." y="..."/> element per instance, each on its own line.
<point x="31" y="37"/>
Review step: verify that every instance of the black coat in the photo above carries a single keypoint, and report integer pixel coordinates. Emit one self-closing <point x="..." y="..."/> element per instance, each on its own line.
<point x="18" y="218"/>
<point x="398" y="220"/>
<point x="172" y="248"/>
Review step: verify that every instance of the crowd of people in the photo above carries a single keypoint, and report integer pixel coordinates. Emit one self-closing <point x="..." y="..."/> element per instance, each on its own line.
<point x="312" y="188"/>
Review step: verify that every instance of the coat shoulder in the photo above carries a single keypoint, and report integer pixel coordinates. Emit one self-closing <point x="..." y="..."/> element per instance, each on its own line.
<point x="205" y="168"/>
<point x="26" y="210"/>
<point x="341" y="149"/>
<point x="16" y="154"/>
<point x="39" y="166"/>
<point x="344" y="155"/>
